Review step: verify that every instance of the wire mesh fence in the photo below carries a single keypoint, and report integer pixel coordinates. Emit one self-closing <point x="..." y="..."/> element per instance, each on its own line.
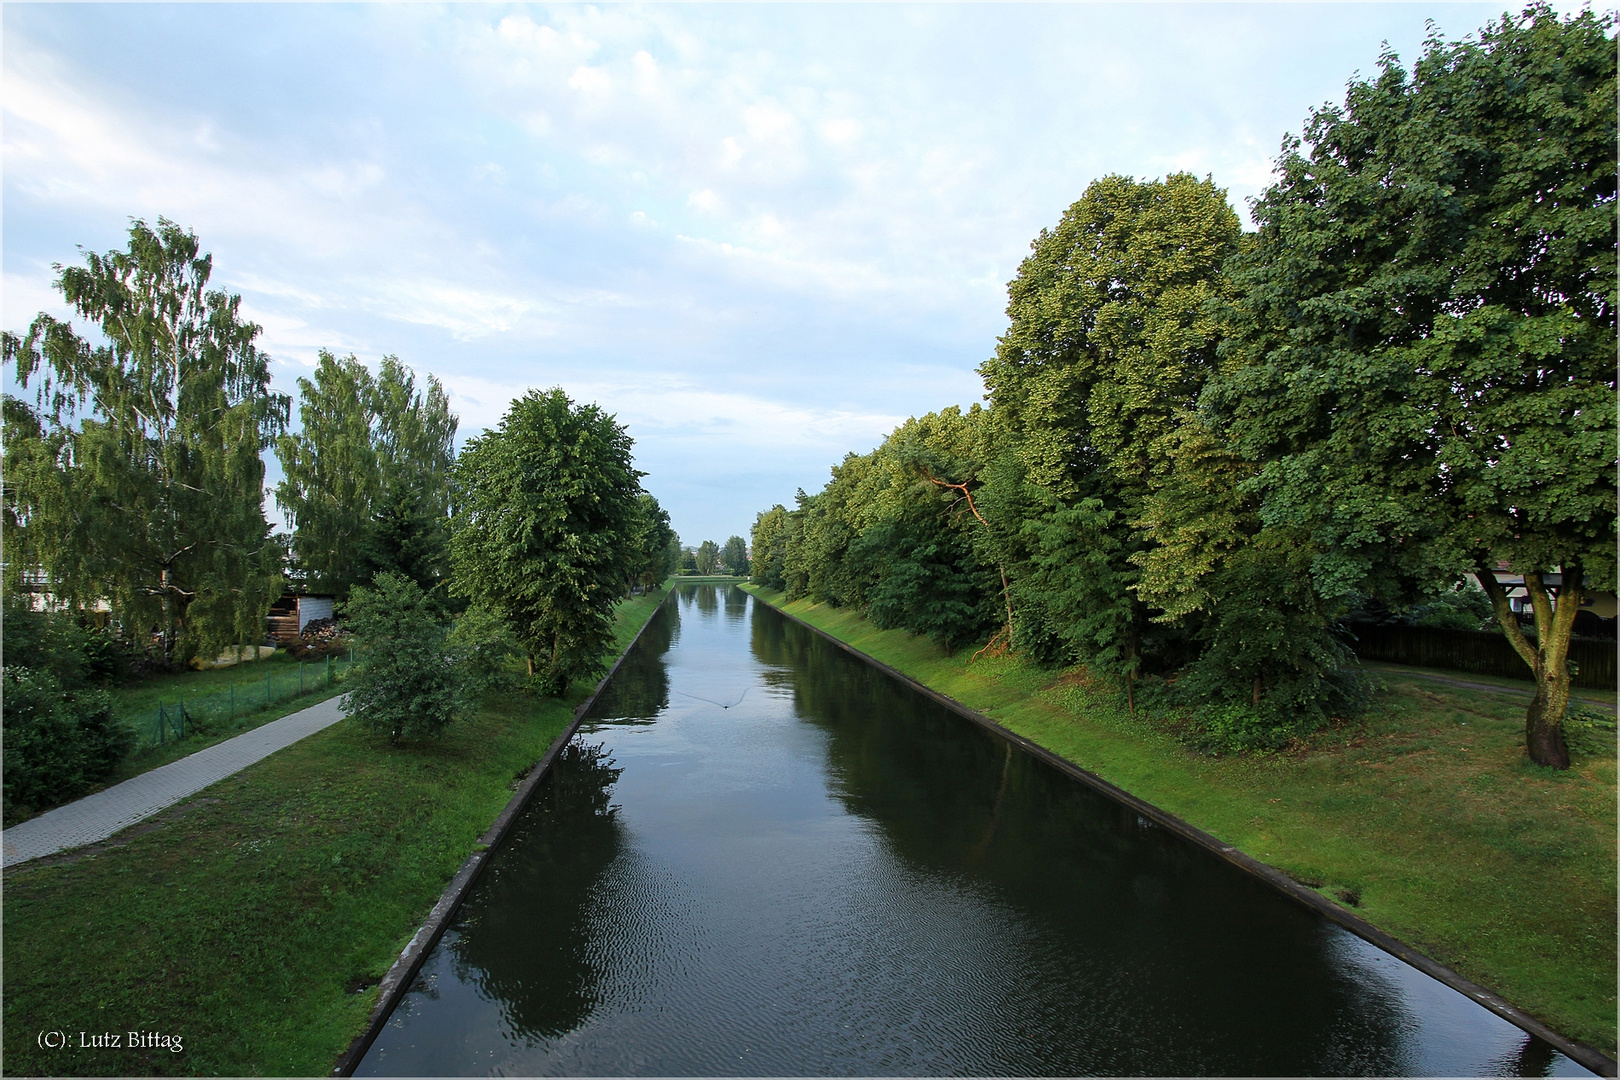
<point x="201" y="714"/>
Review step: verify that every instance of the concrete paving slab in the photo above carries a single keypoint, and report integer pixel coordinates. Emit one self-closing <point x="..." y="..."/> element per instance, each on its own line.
<point x="96" y="817"/>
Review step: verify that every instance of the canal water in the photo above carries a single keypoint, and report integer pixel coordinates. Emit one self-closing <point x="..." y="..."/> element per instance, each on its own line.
<point x="763" y="857"/>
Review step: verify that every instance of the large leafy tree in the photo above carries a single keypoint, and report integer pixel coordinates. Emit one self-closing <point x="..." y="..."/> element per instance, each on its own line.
<point x="658" y="549"/>
<point x="1112" y="337"/>
<point x="366" y="486"/>
<point x="770" y="536"/>
<point x="137" y="477"/>
<point x="546" y="530"/>
<point x="734" y="556"/>
<point x="708" y="557"/>
<point x="1423" y="365"/>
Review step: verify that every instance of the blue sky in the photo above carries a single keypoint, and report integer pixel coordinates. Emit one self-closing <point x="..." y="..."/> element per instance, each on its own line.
<point x="760" y="235"/>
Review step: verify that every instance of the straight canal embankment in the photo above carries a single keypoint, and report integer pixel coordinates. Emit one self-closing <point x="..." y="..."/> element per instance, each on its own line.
<point x="761" y="855"/>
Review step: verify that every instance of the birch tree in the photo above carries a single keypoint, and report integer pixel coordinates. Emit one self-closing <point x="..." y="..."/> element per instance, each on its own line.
<point x="145" y="484"/>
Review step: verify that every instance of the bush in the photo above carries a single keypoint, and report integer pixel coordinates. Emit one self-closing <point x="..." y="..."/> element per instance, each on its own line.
<point x="1465" y="607"/>
<point x="483" y="649"/>
<point x="78" y="656"/>
<point x="57" y="744"/>
<point x="1232" y="728"/>
<point x="404" y="683"/>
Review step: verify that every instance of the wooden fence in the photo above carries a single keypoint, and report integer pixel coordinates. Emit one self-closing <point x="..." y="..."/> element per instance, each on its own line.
<point x="1484" y="652"/>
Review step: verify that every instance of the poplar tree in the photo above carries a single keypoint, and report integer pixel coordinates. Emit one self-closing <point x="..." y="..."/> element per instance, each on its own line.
<point x="137" y="478"/>
<point x="708" y="557"/>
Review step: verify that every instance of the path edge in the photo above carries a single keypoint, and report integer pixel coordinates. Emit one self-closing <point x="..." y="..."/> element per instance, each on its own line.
<point x="1582" y="1054"/>
<point x="403" y="973"/>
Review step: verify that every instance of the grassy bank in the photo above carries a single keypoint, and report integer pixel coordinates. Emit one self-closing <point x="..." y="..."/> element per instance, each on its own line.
<point x="1425" y="814"/>
<point x="254" y="920"/>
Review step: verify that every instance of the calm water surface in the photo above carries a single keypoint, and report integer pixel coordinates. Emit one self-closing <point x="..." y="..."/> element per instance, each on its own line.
<point x="763" y="857"/>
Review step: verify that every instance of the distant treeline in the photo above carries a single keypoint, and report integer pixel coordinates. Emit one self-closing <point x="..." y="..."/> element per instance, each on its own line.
<point x="1204" y="448"/>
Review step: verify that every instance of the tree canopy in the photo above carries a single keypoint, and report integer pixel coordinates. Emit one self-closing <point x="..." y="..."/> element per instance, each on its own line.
<point x="137" y="477"/>
<point x="1422" y="362"/>
<point x="1205" y="450"/>
<point x="366" y="486"/>
<point x="546" y="528"/>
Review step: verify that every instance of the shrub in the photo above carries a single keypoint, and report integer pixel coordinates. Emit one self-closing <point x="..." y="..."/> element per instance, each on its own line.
<point x="57" y="743"/>
<point x="404" y="684"/>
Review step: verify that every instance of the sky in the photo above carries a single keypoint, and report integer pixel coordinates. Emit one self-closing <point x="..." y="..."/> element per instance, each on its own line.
<point x="761" y="235"/>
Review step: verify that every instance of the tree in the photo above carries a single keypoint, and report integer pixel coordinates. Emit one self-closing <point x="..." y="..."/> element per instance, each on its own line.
<point x="1112" y="337"/>
<point x="769" y="540"/>
<point x="1423" y="362"/>
<point x="707" y="557"/>
<point x="366" y="485"/>
<point x="144" y="485"/>
<point x="405" y="685"/>
<point x="545" y="530"/>
<point x="734" y="556"/>
<point x="654" y="539"/>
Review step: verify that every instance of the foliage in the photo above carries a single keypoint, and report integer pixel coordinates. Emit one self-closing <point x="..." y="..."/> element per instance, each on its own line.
<point x="1423" y="357"/>
<point x="366" y="485"/>
<point x="137" y="477"/>
<point x="657" y="547"/>
<point x="927" y="582"/>
<point x="1111" y="339"/>
<point x="1462" y="607"/>
<point x="734" y="556"/>
<point x="482" y="649"/>
<point x="79" y="656"/>
<point x="545" y="530"/>
<point x="770" y="548"/>
<point x="405" y="684"/>
<point x="57" y="743"/>
<point x="707" y="557"/>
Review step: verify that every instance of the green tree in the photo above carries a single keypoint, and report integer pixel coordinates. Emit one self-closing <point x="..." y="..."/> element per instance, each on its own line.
<point x="1423" y="361"/>
<point x="734" y="556"/>
<point x="654" y="539"/>
<point x="707" y="557"/>
<point x="139" y="478"/>
<point x="769" y="541"/>
<point x="405" y="685"/>
<point x="366" y="485"/>
<point x="546" y="528"/>
<point x="1112" y="337"/>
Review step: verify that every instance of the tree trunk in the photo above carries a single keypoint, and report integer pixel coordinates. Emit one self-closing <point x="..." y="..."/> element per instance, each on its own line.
<point x="168" y="617"/>
<point x="1548" y="656"/>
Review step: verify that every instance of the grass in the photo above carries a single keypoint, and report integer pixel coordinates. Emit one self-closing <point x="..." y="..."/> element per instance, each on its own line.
<point x="136" y="704"/>
<point x="1425" y="814"/>
<point x="255" y="920"/>
<point x="206" y="691"/>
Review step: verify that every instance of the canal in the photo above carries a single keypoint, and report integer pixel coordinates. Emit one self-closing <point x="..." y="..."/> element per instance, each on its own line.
<point x="761" y="856"/>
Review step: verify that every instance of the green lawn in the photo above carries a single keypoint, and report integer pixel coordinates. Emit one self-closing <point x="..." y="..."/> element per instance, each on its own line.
<point x="255" y="920"/>
<point x="1426" y="810"/>
<point x="223" y="702"/>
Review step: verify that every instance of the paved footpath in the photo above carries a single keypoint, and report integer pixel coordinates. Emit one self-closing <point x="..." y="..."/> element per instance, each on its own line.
<point x="96" y="817"/>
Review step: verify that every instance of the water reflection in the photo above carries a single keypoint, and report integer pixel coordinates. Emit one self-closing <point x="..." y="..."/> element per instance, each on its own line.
<point x="528" y="942"/>
<point x="803" y="868"/>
